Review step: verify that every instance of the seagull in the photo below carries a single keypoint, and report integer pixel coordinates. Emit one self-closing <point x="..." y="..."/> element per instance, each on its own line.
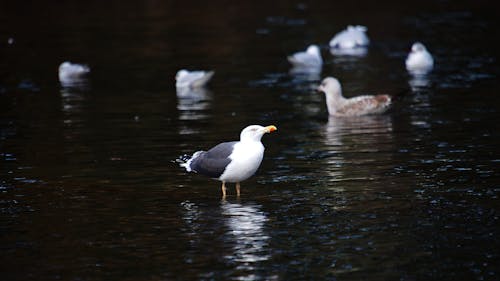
<point x="356" y="106"/>
<point x="310" y="58"/>
<point x="351" y="37"/>
<point x="233" y="161"/>
<point x="192" y="79"/>
<point x="72" y="71"/>
<point x="419" y="60"/>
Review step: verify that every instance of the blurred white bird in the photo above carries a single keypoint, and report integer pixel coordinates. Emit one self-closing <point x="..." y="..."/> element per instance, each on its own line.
<point x="351" y="37"/>
<point x="192" y="79"/>
<point x="419" y="60"/>
<point x="72" y="71"/>
<point x="310" y="58"/>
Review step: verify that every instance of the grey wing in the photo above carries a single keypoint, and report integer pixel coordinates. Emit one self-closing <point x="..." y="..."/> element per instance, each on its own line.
<point x="213" y="163"/>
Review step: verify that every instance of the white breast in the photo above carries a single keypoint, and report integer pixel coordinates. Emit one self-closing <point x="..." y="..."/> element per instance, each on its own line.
<point x="419" y="61"/>
<point x="245" y="160"/>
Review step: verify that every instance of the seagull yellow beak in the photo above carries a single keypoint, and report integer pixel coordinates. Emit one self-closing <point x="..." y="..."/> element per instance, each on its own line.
<point x="270" y="129"/>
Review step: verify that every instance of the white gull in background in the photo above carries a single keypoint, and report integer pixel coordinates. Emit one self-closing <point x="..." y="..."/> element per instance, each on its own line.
<point x="350" y="38"/>
<point x="69" y="72"/>
<point x="192" y="79"/>
<point x="233" y="161"/>
<point x="419" y="60"/>
<point x="310" y="58"/>
<point x="357" y="106"/>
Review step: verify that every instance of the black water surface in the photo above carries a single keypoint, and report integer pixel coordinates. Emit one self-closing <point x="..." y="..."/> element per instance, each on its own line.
<point x="89" y="186"/>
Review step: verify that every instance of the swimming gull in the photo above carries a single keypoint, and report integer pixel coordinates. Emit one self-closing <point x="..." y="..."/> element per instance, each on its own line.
<point x="72" y="71"/>
<point x="310" y="58"/>
<point x="361" y="105"/>
<point x="233" y="161"/>
<point x="351" y="37"/>
<point x="419" y="60"/>
<point x="192" y="79"/>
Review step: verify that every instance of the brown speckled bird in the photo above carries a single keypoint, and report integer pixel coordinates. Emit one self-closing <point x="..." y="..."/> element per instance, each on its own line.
<point x="356" y="106"/>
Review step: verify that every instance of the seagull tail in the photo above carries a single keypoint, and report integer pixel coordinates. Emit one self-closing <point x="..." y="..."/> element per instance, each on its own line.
<point x="203" y="80"/>
<point x="185" y="160"/>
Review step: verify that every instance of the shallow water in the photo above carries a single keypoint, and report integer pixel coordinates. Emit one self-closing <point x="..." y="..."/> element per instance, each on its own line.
<point x="89" y="185"/>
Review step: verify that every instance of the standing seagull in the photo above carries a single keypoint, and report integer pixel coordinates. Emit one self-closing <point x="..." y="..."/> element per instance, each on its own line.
<point x="233" y="161"/>
<point x="192" y="79"/>
<point x="310" y="58"/>
<point x="419" y="60"/>
<point x="350" y="38"/>
<point x="356" y="106"/>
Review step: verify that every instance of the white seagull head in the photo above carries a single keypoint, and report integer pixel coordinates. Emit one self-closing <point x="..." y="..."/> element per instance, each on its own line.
<point x="181" y="73"/>
<point x="418" y="47"/>
<point x="313" y="50"/>
<point x="255" y="132"/>
<point x="330" y="86"/>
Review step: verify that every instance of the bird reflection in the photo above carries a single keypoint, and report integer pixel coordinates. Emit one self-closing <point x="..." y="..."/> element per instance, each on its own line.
<point x="246" y="233"/>
<point x="306" y="73"/>
<point x="351" y="52"/>
<point x="365" y="138"/>
<point x="419" y="81"/>
<point x="193" y="102"/>
<point x="191" y="217"/>
<point x="71" y="100"/>
<point x="80" y="83"/>
<point x="369" y="124"/>
<point x="73" y="97"/>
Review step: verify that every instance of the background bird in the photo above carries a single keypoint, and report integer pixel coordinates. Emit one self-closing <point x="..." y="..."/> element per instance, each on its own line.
<point x="419" y="60"/>
<point x="310" y="58"/>
<point x="233" y="161"/>
<point x="351" y="37"/>
<point x="72" y="71"/>
<point x="361" y="105"/>
<point x="193" y="79"/>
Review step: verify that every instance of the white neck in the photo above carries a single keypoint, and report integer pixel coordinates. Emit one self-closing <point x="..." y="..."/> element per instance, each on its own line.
<point x="334" y="100"/>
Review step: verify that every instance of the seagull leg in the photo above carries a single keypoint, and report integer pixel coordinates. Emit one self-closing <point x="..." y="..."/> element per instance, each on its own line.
<point x="223" y="189"/>
<point x="238" y="189"/>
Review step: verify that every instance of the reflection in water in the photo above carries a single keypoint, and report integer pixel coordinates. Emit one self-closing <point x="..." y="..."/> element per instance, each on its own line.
<point x="191" y="217"/>
<point x="306" y="73"/>
<point x="350" y="59"/>
<point x="241" y="239"/>
<point x="353" y="52"/>
<point x="419" y="82"/>
<point x="81" y="83"/>
<point x="364" y="138"/>
<point x="193" y="102"/>
<point x="246" y="233"/>
<point x="72" y="98"/>
<point x="341" y="128"/>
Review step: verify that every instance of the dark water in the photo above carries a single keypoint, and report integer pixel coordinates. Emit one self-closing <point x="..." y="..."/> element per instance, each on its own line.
<point x="89" y="187"/>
